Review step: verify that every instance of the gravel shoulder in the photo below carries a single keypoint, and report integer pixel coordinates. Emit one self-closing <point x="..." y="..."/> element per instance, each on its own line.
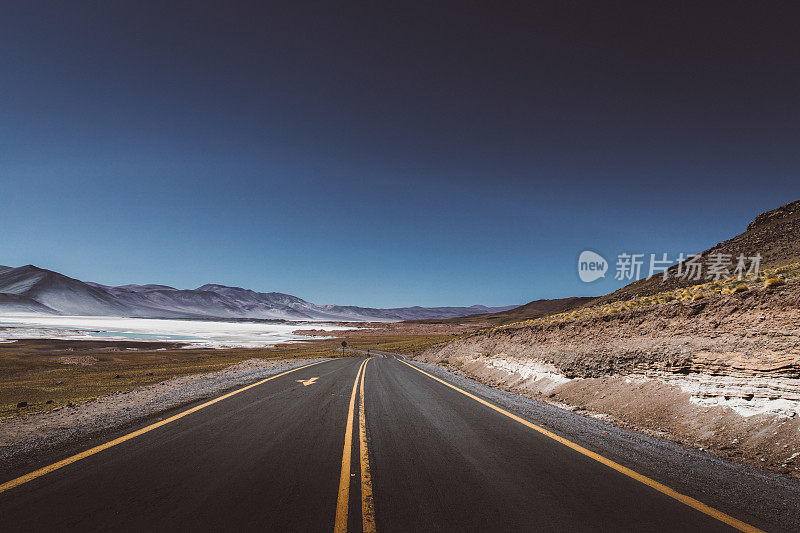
<point x="28" y="442"/>
<point x="765" y="499"/>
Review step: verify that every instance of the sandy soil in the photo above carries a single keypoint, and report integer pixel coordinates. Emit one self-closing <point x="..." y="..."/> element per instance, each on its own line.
<point x="82" y="360"/>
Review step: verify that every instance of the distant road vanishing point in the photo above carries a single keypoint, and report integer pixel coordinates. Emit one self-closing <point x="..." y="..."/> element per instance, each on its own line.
<point x="351" y="444"/>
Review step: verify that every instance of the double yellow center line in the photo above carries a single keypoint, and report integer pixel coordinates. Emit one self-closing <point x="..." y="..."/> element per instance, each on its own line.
<point x="343" y="501"/>
<point x="367" y="509"/>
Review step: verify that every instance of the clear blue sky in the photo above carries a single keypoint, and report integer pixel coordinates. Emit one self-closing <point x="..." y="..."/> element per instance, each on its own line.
<point x="387" y="156"/>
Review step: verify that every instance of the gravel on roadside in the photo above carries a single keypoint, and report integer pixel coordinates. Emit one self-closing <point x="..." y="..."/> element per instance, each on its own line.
<point x="25" y="437"/>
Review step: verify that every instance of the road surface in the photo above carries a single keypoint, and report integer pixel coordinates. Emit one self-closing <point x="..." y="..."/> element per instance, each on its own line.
<point x="353" y="444"/>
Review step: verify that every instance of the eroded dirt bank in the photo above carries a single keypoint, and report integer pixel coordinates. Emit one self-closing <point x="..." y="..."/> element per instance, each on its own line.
<point x="721" y="373"/>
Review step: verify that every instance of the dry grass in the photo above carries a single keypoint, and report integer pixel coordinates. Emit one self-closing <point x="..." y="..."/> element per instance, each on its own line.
<point x="773" y="277"/>
<point x="407" y="345"/>
<point x="33" y="371"/>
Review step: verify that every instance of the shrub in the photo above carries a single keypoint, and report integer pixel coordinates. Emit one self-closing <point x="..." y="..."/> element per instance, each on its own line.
<point x="773" y="282"/>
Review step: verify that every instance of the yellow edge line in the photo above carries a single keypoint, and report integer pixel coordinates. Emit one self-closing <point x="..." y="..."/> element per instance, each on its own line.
<point x="660" y="487"/>
<point x="340" y="523"/>
<point x="91" y="451"/>
<point x="367" y="509"/>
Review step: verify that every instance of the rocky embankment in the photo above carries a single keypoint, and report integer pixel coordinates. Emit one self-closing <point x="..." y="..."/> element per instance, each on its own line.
<point x="721" y="373"/>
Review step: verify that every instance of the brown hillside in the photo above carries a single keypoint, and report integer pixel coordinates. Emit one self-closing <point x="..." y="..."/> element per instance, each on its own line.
<point x="534" y="309"/>
<point x="774" y="234"/>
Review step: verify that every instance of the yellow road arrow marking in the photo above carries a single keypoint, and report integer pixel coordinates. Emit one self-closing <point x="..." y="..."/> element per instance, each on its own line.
<point x="91" y="451"/>
<point x="307" y="382"/>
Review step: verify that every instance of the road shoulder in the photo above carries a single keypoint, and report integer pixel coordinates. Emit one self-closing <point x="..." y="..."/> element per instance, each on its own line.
<point x="26" y="442"/>
<point x="765" y="499"/>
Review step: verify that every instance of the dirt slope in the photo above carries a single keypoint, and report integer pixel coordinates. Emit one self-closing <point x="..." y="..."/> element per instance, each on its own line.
<point x="534" y="309"/>
<point x="774" y="234"/>
<point x="721" y="373"/>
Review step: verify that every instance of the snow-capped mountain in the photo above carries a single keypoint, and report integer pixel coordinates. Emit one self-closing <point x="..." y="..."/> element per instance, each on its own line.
<point x="30" y="289"/>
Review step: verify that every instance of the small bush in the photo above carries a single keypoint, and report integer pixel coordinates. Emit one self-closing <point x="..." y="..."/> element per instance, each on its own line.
<point x="774" y="282"/>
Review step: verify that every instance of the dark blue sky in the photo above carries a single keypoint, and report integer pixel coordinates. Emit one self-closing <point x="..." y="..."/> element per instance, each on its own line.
<point x="388" y="154"/>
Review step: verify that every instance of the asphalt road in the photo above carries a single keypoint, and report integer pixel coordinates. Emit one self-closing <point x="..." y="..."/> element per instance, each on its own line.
<point x="419" y="455"/>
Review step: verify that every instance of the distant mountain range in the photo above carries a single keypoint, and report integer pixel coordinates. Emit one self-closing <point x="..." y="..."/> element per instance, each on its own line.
<point x="30" y="289"/>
